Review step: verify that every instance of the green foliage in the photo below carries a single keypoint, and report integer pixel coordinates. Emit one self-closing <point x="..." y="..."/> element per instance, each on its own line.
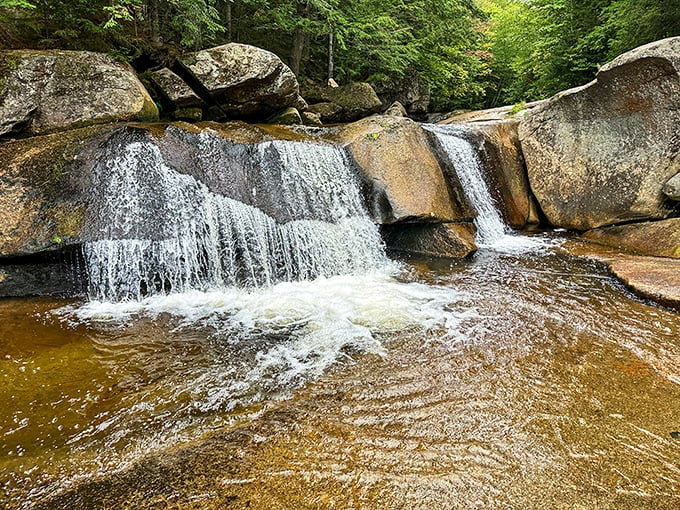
<point x="542" y="46"/>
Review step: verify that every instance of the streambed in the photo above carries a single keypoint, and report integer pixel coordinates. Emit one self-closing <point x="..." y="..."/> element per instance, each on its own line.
<point x="530" y="380"/>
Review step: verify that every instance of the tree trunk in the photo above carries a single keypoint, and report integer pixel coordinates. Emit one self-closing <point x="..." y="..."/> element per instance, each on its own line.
<point x="154" y="22"/>
<point x="298" y="40"/>
<point x="227" y="20"/>
<point x="331" y="53"/>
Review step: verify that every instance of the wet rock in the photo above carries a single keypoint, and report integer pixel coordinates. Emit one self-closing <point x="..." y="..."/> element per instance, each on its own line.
<point x="657" y="238"/>
<point x="600" y="154"/>
<point x="396" y="109"/>
<point x="244" y="81"/>
<point x="289" y="116"/>
<point x="411" y="91"/>
<point x="46" y="91"/>
<point x="173" y="90"/>
<point x="499" y="150"/>
<point x="446" y="240"/>
<point x="42" y="180"/>
<point x="53" y="274"/>
<point x="407" y="181"/>
<point x="653" y="278"/>
<point x="672" y="188"/>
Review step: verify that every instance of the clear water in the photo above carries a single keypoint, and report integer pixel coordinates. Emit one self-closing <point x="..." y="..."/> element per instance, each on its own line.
<point x="507" y="381"/>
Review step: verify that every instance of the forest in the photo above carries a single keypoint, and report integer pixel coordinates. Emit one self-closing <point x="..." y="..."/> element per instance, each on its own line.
<point x="472" y="53"/>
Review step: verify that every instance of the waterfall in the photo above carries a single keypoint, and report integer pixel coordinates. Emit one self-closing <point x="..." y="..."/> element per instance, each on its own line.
<point x="156" y="230"/>
<point x="463" y="157"/>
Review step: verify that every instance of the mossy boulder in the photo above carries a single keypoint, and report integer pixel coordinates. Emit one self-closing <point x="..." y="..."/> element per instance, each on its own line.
<point x="47" y="91"/>
<point x="42" y="190"/>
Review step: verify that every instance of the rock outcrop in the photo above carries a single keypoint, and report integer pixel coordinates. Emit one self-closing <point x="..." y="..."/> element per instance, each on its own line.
<point x="47" y="91"/>
<point x="411" y="91"/>
<point x="406" y="178"/>
<point x="343" y="104"/>
<point x="650" y="277"/>
<point x="241" y="80"/>
<point x="600" y="154"/>
<point x="656" y="238"/>
<point x="445" y="240"/>
<point x="172" y="90"/>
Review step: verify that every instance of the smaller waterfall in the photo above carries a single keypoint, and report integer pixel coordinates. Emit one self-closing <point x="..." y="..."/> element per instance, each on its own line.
<point x="492" y="231"/>
<point x="463" y="157"/>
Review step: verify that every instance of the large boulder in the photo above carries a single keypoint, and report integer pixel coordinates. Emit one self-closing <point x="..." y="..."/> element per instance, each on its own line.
<point x="173" y="91"/>
<point x="656" y="238"/>
<point x="46" y="91"/>
<point x="407" y="180"/>
<point x="600" y="154"/>
<point x="242" y="80"/>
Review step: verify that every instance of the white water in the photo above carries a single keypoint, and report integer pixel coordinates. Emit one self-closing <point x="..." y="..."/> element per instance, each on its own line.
<point x="492" y="231"/>
<point x="159" y="231"/>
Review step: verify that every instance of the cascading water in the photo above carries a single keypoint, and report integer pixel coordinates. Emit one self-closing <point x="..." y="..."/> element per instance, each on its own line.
<point x="492" y="231"/>
<point x="159" y="230"/>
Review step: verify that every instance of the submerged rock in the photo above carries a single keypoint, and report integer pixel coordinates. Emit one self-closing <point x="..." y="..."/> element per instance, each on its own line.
<point x="446" y="240"/>
<point x="600" y="154"/>
<point x="407" y="180"/>
<point x="657" y="238"/>
<point x="244" y="81"/>
<point x="46" y="91"/>
<point x="672" y="188"/>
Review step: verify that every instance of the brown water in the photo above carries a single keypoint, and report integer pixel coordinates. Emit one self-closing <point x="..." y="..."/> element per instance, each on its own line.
<point x="550" y="386"/>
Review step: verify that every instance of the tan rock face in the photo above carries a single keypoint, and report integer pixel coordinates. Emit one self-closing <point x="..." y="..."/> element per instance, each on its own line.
<point x="657" y="238"/>
<point x="446" y="240"/>
<point x="408" y="183"/>
<point x="600" y="154"/>
<point x="244" y="80"/>
<point x="46" y="91"/>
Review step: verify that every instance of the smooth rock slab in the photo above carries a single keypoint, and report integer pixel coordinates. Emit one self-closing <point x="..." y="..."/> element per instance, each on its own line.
<point x="656" y="238"/>
<point x="600" y="154"/>
<point x="653" y="278"/>
<point x="46" y="91"/>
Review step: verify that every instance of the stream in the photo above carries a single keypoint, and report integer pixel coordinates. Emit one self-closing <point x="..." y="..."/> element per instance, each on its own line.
<point x="518" y="379"/>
